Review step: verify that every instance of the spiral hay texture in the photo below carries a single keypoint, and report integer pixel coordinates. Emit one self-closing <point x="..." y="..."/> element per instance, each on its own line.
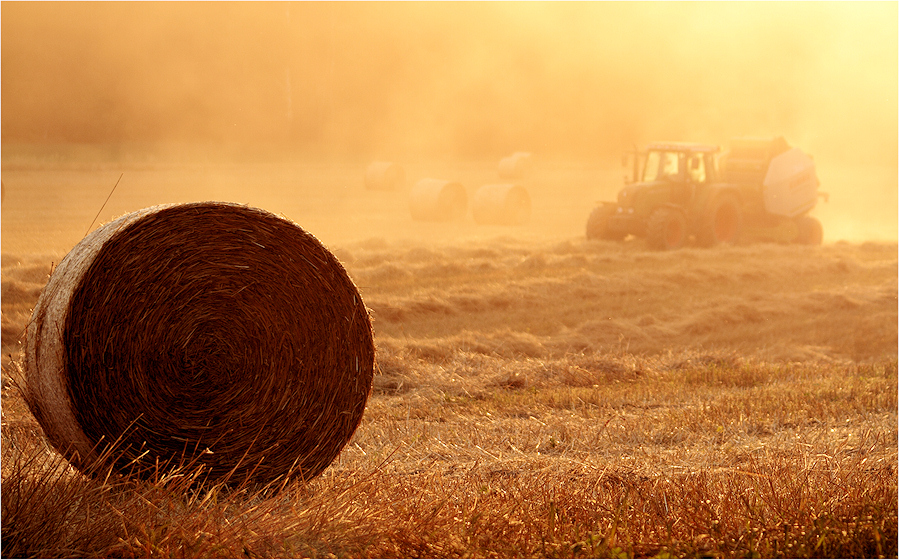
<point x="436" y="200"/>
<point x="384" y="176"/>
<point x="504" y="204"/>
<point x="201" y="335"/>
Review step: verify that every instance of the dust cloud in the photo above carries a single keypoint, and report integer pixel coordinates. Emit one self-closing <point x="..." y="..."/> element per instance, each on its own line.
<point x="357" y="81"/>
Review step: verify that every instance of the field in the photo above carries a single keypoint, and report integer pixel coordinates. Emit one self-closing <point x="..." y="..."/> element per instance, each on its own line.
<point x="536" y="395"/>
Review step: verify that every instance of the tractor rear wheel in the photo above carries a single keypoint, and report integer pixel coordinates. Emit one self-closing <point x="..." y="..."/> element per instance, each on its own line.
<point x="598" y="225"/>
<point x="722" y="223"/>
<point x="666" y="229"/>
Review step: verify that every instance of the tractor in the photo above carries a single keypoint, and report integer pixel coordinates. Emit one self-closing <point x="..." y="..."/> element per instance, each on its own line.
<point x="762" y="190"/>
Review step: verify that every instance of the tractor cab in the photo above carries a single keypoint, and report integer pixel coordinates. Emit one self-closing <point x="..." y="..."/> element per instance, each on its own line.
<point x="666" y="173"/>
<point x="679" y="162"/>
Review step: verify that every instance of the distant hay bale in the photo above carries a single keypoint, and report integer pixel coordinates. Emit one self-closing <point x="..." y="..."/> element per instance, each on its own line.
<point x="384" y="176"/>
<point x="517" y="166"/>
<point x="503" y="204"/>
<point x="204" y="334"/>
<point x="435" y="200"/>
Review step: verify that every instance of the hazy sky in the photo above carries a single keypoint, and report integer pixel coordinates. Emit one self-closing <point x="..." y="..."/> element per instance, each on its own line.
<point x="463" y="79"/>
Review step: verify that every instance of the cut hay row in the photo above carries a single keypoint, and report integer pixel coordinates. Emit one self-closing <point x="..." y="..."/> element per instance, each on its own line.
<point x="205" y="335"/>
<point x="764" y="301"/>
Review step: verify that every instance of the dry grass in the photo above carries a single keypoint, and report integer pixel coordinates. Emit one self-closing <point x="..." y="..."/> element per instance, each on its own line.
<point x="654" y="459"/>
<point x="566" y="399"/>
<point x="570" y="399"/>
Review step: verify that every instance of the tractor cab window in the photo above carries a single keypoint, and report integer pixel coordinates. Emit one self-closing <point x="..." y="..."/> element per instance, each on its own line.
<point x="662" y="165"/>
<point x="651" y="169"/>
<point x="697" y="168"/>
<point x="672" y="166"/>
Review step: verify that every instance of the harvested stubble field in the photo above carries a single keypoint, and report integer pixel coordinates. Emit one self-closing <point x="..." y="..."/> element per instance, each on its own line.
<point x="536" y="394"/>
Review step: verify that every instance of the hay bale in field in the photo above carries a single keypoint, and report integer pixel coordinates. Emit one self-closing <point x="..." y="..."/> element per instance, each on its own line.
<point x="436" y="200"/>
<point x="503" y="204"/>
<point x="517" y="166"/>
<point x="384" y="176"/>
<point x="200" y="334"/>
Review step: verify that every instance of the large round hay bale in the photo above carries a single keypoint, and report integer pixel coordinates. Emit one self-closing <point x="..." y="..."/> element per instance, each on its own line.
<point x="436" y="200"/>
<point x="384" y="176"/>
<point x="200" y="335"/>
<point x="517" y="166"/>
<point x="503" y="204"/>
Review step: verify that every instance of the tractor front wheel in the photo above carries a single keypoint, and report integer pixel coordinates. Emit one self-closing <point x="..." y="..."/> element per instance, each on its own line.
<point x="598" y="225"/>
<point x="666" y="229"/>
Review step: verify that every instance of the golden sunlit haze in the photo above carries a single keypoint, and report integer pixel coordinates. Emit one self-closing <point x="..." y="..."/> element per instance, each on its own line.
<point x="346" y="83"/>
<point x="464" y="79"/>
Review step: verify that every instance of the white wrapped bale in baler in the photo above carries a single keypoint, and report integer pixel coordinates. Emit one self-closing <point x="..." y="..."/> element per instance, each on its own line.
<point x="783" y="181"/>
<point x="790" y="187"/>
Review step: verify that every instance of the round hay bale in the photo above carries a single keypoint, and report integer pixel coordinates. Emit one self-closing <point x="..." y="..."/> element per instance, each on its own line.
<point x="384" y="176"/>
<point x="200" y="335"/>
<point x="435" y="200"/>
<point x="504" y="204"/>
<point x="517" y="166"/>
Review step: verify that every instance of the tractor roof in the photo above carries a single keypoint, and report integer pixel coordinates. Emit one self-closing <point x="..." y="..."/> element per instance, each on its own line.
<point x="682" y="147"/>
